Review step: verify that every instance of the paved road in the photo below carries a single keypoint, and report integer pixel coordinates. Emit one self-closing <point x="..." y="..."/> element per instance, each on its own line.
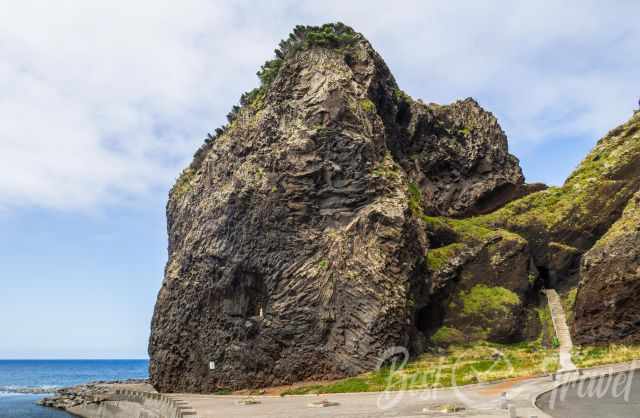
<point x="615" y="396"/>
<point x="481" y="401"/>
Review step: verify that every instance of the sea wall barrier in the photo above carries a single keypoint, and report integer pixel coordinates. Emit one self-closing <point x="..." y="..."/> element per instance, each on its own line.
<point x="124" y="403"/>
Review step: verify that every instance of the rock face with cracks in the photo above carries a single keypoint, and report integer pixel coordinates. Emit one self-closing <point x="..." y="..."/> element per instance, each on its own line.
<point x="335" y="217"/>
<point x="295" y="250"/>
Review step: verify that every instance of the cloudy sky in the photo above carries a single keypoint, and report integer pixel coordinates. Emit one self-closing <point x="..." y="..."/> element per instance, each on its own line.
<point x="102" y="103"/>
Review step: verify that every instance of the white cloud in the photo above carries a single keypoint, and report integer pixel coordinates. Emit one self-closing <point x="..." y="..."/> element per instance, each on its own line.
<point x="103" y="102"/>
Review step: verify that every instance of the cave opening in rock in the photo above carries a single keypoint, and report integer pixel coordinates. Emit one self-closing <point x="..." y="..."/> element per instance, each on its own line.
<point x="546" y="278"/>
<point x="257" y="298"/>
<point x="429" y="318"/>
<point x="246" y="297"/>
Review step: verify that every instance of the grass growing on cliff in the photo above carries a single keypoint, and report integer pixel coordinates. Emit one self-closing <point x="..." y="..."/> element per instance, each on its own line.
<point x="568" y="304"/>
<point x="367" y="105"/>
<point x="183" y="184"/>
<point x="438" y="257"/>
<point x="446" y="336"/>
<point x="415" y="199"/>
<point x="485" y="300"/>
<point x="330" y="35"/>
<point x="548" y="332"/>
<point x="459" y="365"/>
<point x="590" y="356"/>
<point x="594" y="187"/>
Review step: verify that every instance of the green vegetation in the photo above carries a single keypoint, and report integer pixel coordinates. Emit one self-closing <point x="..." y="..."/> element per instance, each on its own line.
<point x="487" y="301"/>
<point x="590" y="356"/>
<point x="438" y="257"/>
<point x="458" y="365"/>
<point x="624" y="225"/>
<point x="387" y="168"/>
<point x="367" y="105"/>
<point x="593" y="191"/>
<point x="415" y="199"/>
<point x="331" y="35"/>
<point x="183" y="184"/>
<point x="324" y="264"/>
<point x="446" y="336"/>
<point x="479" y="307"/>
<point x="568" y="304"/>
<point x="466" y="230"/>
<point x="401" y="96"/>
<point x="548" y="331"/>
<point x="223" y="391"/>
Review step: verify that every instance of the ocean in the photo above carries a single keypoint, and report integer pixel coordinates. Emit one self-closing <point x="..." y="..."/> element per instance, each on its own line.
<point x="19" y="377"/>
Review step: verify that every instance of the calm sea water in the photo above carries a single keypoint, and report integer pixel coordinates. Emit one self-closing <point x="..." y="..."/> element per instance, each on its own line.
<point x="18" y="375"/>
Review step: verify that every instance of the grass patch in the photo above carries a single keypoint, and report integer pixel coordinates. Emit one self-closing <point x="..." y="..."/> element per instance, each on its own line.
<point x="401" y="96"/>
<point x="469" y="229"/>
<point x="415" y="199"/>
<point x="367" y="105"/>
<point x="585" y="200"/>
<point x="485" y="300"/>
<point x="446" y="336"/>
<point x="590" y="356"/>
<point x="183" y="184"/>
<point x="223" y="391"/>
<point x="459" y="365"/>
<point x="548" y="332"/>
<point x="568" y="304"/>
<point x="387" y="168"/>
<point x="438" y="257"/>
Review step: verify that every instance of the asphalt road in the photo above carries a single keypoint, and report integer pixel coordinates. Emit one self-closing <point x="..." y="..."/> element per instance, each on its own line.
<point x="616" y="396"/>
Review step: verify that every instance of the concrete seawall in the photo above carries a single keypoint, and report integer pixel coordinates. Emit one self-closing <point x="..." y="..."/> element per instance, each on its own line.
<point x="132" y="404"/>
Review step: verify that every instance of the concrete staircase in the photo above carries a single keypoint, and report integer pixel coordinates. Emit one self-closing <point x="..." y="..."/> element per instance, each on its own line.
<point x="562" y="330"/>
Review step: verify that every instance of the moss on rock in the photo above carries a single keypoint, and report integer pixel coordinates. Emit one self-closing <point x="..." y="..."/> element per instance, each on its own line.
<point x="438" y="257"/>
<point x="484" y="300"/>
<point x="446" y="336"/>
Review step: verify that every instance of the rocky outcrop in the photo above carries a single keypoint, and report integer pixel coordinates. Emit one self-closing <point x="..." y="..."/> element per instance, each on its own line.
<point x="296" y="247"/>
<point x="336" y="217"/>
<point x="607" y="306"/>
<point x="458" y="157"/>
<point x="563" y="223"/>
<point x="578" y="233"/>
<point x="86" y="397"/>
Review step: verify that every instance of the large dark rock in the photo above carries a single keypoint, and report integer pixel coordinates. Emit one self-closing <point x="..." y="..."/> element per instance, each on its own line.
<point x="479" y="282"/>
<point x="607" y="307"/>
<point x="458" y="156"/>
<point x="296" y="243"/>
<point x="577" y="233"/>
<point x="562" y="223"/>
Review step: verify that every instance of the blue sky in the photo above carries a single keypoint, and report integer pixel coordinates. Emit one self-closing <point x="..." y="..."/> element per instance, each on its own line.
<point x="104" y="102"/>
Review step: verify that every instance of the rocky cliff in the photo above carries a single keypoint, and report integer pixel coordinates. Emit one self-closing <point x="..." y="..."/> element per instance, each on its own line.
<point x="295" y="245"/>
<point x="335" y="217"/>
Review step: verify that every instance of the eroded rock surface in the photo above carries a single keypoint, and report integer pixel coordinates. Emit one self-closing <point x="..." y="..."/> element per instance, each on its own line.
<point x="294" y="251"/>
<point x="607" y="307"/>
<point x="457" y="155"/>
<point x="336" y="217"/>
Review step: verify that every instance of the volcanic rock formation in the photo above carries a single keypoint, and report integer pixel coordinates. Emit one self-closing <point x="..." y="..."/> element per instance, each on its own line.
<point x="293" y="249"/>
<point x="335" y="217"/>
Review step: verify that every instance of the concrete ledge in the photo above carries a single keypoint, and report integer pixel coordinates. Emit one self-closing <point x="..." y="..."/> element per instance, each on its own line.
<point x="162" y="405"/>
